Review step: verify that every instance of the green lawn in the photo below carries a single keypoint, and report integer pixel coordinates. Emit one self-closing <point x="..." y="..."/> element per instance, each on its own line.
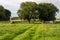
<point x="29" y="31"/>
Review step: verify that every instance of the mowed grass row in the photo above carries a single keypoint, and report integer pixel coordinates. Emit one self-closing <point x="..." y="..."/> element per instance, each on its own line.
<point x="9" y="31"/>
<point x="29" y="31"/>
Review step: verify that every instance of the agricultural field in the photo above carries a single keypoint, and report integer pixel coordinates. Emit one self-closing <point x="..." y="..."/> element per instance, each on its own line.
<point x="29" y="20"/>
<point x="28" y="31"/>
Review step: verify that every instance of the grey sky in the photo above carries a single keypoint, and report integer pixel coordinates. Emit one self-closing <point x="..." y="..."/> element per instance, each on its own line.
<point x="13" y="5"/>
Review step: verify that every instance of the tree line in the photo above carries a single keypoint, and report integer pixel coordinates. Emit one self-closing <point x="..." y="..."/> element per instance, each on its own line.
<point x="41" y="11"/>
<point x="32" y="10"/>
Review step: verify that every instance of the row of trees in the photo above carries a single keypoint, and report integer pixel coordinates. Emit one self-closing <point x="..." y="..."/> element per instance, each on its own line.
<point x="41" y="11"/>
<point x="4" y="14"/>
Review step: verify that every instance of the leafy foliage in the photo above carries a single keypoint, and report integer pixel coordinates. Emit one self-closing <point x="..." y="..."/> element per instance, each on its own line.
<point x="4" y="14"/>
<point x="42" y="11"/>
<point x="27" y="10"/>
<point x="47" y="11"/>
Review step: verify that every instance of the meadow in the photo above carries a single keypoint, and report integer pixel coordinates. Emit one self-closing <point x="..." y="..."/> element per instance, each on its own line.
<point x="26" y="31"/>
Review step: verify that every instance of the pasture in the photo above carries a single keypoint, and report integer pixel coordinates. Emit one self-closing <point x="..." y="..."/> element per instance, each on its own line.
<point x="26" y="31"/>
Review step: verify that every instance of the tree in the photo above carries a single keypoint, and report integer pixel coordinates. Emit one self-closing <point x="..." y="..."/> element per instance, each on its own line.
<point x="42" y="11"/>
<point x="47" y="11"/>
<point x="7" y="14"/>
<point x="4" y="14"/>
<point x="27" y="10"/>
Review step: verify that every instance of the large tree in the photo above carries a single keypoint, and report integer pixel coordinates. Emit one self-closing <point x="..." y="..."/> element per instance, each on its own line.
<point x="27" y="10"/>
<point x="47" y="11"/>
<point x="42" y="11"/>
<point x="4" y="14"/>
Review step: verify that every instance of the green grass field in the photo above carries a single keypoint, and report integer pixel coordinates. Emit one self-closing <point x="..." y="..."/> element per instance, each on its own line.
<point x="29" y="31"/>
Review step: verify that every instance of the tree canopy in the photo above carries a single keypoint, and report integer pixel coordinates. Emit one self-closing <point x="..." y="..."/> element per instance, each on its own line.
<point x="42" y="11"/>
<point x="47" y="11"/>
<point x="27" y="10"/>
<point x="4" y="14"/>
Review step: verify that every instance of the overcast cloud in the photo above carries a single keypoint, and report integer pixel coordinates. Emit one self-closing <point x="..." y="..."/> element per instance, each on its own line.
<point x="13" y="5"/>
